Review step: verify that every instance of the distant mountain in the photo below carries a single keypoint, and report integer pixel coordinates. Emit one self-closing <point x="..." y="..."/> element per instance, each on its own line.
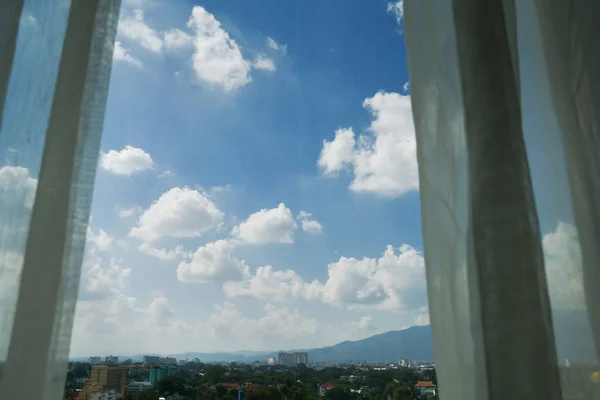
<point x="413" y="343"/>
<point x="572" y="333"/>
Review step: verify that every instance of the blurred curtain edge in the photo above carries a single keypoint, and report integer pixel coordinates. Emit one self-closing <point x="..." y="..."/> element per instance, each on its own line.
<point x="465" y="79"/>
<point x="37" y="357"/>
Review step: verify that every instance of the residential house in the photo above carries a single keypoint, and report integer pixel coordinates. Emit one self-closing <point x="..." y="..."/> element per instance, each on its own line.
<point x="426" y="387"/>
<point x="325" y="387"/>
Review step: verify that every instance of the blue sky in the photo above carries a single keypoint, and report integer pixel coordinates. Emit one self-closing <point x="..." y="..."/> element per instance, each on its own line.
<point x="245" y="141"/>
<point x="257" y="185"/>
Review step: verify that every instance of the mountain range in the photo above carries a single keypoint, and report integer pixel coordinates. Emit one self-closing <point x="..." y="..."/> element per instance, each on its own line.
<point x="413" y="343"/>
<point x="574" y="341"/>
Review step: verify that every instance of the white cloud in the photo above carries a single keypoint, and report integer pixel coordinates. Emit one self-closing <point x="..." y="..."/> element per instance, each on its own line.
<point x="397" y="9"/>
<point x="128" y="161"/>
<point x="406" y="87"/>
<point x="308" y="223"/>
<point x="217" y="58"/>
<point x="165" y="174"/>
<point x="122" y="54"/>
<point x="264" y="63"/>
<point x="129" y="212"/>
<point x="101" y="240"/>
<point x="228" y="322"/>
<point x="134" y="28"/>
<point x="168" y="255"/>
<point x="267" y="226"/>
<point x="213" y="262"/>
<point x="178" y="213"/>
<point x="383" y="160"/>
<point x="17" y="188"/>
<point x="99" y="280"/>
<point x="422" y="319"/>
<point x="176" y="39"/>
<point x="269" y="284"/>
<point x="272" y="43"/>
<point x="395" y="281"/>
<point x="365" y="322"/>
<point x="564" y="267"/>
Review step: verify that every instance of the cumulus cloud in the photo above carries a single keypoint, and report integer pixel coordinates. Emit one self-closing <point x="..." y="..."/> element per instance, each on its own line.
<point x="396" y="8"/>
<point x="563" y="267"/>
<point x="274" y="225"/>
<point x="176" y="39"/>
<point x="178" y="213"/>
<point x="264" y="63"/>
<point x="394" y="281"/>
<point x="100" y="240"/>
<point x="422" y="319"/>
<point x="365" y="322"/>
<point x="213" y="262"/>
<point x="100" y="279"/>
<point x="120" y="53"/>
<point x="227" y="321"/>
<point x="140" y="327"/>
<point x="168" y="255"/>
<point x="17" y="188"/>
<point x="136" y="29"/>
<point x="217" y="58"/>
<point x="272" y="285"/>
<point x="128" y="212"/>
<point x="383" y="160"/>
<point x="128" y="161"/>
<point x="308" y="223"/>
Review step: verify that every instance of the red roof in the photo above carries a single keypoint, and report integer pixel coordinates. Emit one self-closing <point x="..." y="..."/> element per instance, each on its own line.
<point x="252" y="385"/>
<point x="425" y="384"/>
<point x="229" y="385"/>
<point x="328" y="385"/>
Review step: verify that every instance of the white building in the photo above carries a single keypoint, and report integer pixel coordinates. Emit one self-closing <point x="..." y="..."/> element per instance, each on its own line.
<point x="271" y="361"/>
<point x="287" y="359"/>
<point x="301" y="358"/>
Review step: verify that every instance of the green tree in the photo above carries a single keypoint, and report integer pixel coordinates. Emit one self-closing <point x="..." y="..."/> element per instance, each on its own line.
<point x="337" y="394"/>
<point x="171" y="385"/>
<point x="268" y="393"/>
<point x="285" y="390"/>
<point x="402" y="393"/>
<point x="221" y="391"/>
<point x="214" y="374"/>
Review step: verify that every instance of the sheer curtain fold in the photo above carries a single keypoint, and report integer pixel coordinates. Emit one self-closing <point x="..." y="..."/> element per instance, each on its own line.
<point x="35" y="367"/>
<point x="489" y="301"/>
<point x="9" y="21"/>
<point x="569" y="33"/>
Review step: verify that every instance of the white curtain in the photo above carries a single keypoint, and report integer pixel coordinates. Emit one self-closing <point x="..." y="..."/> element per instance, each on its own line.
<point x="53" y="96"/>
<point x="505" y="102"/>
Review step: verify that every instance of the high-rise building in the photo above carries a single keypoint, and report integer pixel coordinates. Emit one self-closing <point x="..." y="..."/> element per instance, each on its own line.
<point x="110" y="376"/>
<point x="301" y="358"/>
<point x="111" y="359"/>
<point x="287" y="359"/>
<point x="152" y="359"/>
<point x="160" y="371"/>
<point x="95" y="360"/>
